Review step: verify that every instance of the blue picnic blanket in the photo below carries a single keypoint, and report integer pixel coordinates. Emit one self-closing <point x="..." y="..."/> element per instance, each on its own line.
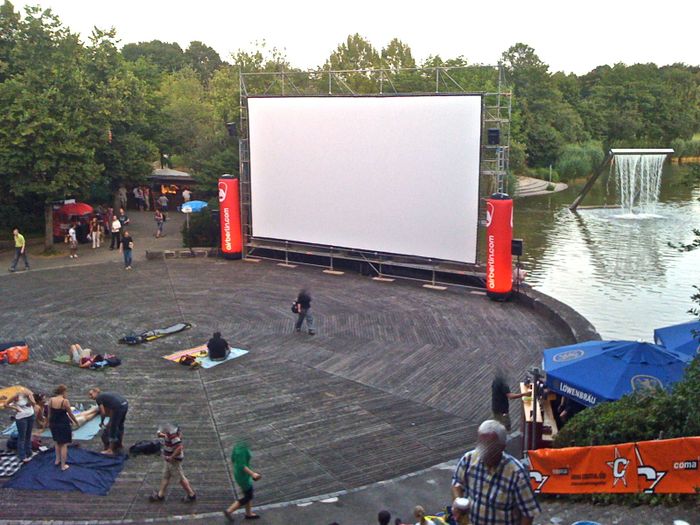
<point x="89" y="472"/>
<point x="205" y="362"/>
<point x="85" y="433"/>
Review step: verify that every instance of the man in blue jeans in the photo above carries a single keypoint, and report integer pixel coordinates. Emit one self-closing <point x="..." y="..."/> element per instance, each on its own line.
<point x="20" y="250"/>
<point x="127" y="246"/>
<point x="304" y="312"/>
<point x="116" y="406"/>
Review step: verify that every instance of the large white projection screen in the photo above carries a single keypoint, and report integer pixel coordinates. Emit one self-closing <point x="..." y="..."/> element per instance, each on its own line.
<point x="386" y="174"/>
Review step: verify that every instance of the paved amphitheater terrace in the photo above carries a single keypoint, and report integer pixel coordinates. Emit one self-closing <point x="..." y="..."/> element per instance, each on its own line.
<point x="396" y="380"/>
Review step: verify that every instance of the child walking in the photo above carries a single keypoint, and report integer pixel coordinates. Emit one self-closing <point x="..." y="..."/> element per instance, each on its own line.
<point x="173" y="454"/>
<point x="244" y="477"/>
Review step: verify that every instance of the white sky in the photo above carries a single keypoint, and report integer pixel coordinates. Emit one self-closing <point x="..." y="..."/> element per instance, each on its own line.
<point x="569" y="36"/>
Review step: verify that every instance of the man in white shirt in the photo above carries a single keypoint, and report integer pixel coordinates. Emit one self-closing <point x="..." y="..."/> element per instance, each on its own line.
<point x="116" y="233"/>
<point x="186" y="195"/>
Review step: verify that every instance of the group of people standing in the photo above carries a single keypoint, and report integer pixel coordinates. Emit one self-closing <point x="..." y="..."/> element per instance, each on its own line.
<point x="34" y="410"/>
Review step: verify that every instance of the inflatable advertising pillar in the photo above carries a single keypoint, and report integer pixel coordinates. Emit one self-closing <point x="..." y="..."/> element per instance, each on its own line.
<point x="230" y="217"/>
<point x="499" y="235"/>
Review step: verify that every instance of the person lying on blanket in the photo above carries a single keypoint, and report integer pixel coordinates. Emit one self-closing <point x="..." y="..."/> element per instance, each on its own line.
<point x="80" y="356"/>
<point x="83" y="356"/>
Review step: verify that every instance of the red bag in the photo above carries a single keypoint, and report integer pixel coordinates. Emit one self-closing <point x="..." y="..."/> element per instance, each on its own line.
<point x="17" y="354"/>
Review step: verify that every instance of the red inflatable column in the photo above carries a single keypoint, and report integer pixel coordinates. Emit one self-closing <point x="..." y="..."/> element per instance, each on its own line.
<point x="230" y="218"/>
<point x="499" y="235"/>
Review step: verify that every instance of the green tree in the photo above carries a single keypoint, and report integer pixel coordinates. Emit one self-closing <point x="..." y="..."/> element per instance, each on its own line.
<point x="203" y="59"/>
<point x="546" y="120"/>
<point x="48" y="133"/>
<point x="166" y="56"/>
<point x="188" y="113"/>
<point x="128" y="112"/>
<point x="356" y="53"/>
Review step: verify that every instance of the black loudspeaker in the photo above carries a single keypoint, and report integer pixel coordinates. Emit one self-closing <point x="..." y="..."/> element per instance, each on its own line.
<point x="231" y="127"/>
<point x="494" y="136"/>
<point x="516" y="247"/>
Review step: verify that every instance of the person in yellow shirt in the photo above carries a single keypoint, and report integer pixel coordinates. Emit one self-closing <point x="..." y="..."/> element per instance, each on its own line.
<point x="20" y="250"/>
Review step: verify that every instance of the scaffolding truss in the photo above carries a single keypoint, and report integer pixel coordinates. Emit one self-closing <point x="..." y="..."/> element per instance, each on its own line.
<point x="494" y="164"/>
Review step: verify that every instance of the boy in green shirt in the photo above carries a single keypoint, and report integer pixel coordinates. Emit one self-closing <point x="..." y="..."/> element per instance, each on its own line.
<point x="244" y="476"/>
<point x="20" y="250"/>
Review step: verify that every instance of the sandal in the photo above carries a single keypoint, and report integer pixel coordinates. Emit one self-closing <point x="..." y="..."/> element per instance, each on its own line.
<point x="252" y="517"/>
<point x="189" y="499"/>
<point x="155" y="497"/>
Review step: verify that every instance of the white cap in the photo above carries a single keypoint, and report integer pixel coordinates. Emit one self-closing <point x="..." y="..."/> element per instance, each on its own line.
<point x="461" y="503"/>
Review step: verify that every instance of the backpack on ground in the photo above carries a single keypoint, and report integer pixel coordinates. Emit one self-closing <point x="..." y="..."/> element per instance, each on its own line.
<point x="145" y="447"/>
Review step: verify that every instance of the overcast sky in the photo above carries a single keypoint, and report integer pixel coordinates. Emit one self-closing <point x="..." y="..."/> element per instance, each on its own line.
<point x="569" y="36"/>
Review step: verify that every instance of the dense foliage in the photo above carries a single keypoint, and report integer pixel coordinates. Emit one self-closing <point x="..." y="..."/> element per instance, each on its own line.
<point x="80" y="118"/>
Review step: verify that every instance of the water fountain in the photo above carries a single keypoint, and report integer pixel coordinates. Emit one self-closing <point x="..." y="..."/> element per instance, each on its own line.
<point x="638" y="179"/>
<point x="638" y="173"/>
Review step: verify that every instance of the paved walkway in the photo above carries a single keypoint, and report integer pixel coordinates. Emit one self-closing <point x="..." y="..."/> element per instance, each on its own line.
<point x="142" y="229"/>
<point x="529" y="187"/>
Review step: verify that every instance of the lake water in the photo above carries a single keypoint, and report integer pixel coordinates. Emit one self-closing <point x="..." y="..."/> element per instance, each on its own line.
<point x="619" y="273"/>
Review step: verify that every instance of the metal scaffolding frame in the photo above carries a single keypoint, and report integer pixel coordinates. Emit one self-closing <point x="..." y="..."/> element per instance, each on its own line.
<point x="494" y="162"/>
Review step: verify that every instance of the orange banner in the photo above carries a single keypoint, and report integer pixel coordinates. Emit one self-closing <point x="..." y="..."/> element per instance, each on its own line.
<point x="660" y="467"/>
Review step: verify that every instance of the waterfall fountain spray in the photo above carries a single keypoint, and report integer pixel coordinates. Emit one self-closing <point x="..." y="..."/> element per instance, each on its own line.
<point x="638" y="179"/>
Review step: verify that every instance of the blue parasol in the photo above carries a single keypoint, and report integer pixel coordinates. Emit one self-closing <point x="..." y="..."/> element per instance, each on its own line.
<point x="192" y="206"/>
<point x="598" y="371"/>
<point x="680" y="338"/>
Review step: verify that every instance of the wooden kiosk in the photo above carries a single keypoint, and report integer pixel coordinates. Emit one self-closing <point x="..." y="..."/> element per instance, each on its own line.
<point x="539" y="425"/>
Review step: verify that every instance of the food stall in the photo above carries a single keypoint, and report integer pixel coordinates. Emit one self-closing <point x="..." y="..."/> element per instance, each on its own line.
<point x="68" y="213"/>
<point x="169" y="182"/>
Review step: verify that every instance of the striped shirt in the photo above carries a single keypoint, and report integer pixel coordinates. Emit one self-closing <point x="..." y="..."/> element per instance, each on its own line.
<point x="173" y="443"/>
<point x="501" y="495"/>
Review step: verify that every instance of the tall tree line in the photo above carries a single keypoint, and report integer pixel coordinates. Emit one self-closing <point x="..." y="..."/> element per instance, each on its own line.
<point x="80" y="118"/>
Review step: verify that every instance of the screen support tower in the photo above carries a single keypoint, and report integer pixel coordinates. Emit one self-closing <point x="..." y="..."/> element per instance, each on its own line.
<point x="487" y="81"/>
<point x="496" y="124"/>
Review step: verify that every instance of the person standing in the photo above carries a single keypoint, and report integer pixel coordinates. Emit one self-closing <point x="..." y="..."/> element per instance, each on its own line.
<point x="60" y="419"/>
<point x="173" y="455"/>
<point x="127" y="247"/>
<point x="121" y="192"/>
<point x="116" y="406"/>
<point x="138" y="196"/>
<point x="500" y="397"/>
<point x="304" y="312"/>
<point x="20" y="250"/>
<point x="95" y="232"/>
<point x="186" y="195"/>
<point x="158" y="217"/>
<point x="116" y="233"/>
<point x="147" y="197"/>
<point x="496" y="484"/>
<point x="24" y="405"/>
<point x="244" y="476"/>
<point x="163" y="203"/>
<point x="123" y="218"/>
<point x="73" y="241"/>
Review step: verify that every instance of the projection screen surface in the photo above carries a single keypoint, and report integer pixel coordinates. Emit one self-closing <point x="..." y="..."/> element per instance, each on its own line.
<point x="386" y="174"/>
